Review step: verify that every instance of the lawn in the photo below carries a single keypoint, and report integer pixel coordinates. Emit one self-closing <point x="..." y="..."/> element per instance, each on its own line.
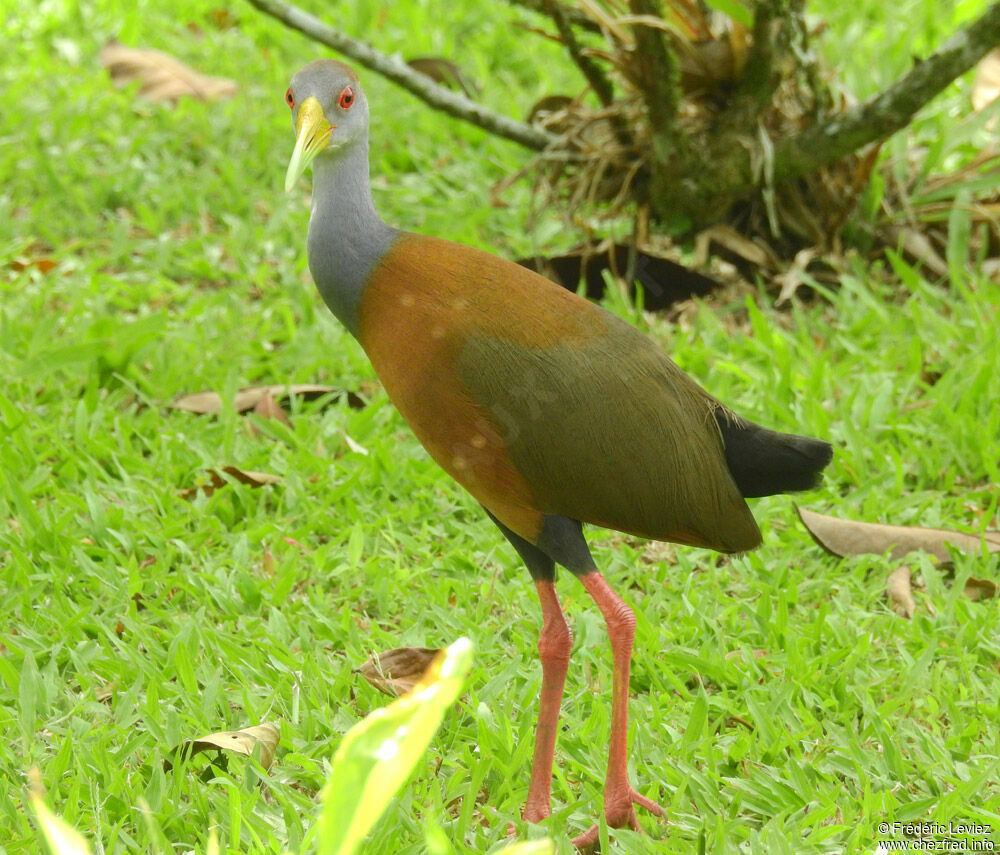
<point x="780" y="705"/>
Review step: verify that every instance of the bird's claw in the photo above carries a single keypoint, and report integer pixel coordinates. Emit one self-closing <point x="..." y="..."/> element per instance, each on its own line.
<point x="619" y="812"/>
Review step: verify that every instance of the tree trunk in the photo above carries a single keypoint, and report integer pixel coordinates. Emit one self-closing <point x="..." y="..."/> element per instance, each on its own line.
<point x="701" y="178"/>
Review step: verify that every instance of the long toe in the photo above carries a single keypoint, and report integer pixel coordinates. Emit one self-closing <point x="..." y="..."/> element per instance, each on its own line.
<point x="588" y="840"/>
<point x="648" y="804"/>
<point x="619" y="810"/>
<point x="619" y="813"/>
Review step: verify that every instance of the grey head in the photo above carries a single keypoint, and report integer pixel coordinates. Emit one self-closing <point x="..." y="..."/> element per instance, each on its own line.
<point x="329" y="114"/>
<point x="347" y="238"/>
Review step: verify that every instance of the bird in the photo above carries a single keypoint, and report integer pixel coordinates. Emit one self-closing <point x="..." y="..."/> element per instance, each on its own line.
<point x="550" y="410"/>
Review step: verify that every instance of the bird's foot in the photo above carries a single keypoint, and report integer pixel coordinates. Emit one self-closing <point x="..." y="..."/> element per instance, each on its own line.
<point x="619" y="812"/>
<point x="534" y="812"/>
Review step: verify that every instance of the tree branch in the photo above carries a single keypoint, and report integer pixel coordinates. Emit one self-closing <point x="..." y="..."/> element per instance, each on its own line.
<point x="892" y="109"/>
<point x="760" y="73"/>
<point x="399" y="72"/>
<point x="591" y="70"/>
<point x="658" y="76"/>
<point x="572" y="15"/>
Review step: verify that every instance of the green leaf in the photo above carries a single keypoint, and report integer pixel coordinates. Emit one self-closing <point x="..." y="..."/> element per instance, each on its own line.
<point x="378" y="754"/>
<point x="695" y="729"/>
<point x="734" y="9"/>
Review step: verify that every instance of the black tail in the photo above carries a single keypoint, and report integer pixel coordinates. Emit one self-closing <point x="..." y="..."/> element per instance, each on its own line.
<point x="764" y="462"/>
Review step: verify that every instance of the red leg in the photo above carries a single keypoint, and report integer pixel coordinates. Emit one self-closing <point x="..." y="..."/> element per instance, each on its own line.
<point x="619" y="797"/>
<point x="554" y="645"/>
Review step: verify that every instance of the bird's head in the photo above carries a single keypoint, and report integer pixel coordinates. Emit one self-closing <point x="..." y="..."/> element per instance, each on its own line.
<point x="329" y="113"/>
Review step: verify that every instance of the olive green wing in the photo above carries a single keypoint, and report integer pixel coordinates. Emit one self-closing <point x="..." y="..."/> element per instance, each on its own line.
<point x="608" y="430"/>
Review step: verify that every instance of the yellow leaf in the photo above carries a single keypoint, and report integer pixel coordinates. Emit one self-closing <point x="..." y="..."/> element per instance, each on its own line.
<point x="242" y="741"/>
<point x="378" y="754"/>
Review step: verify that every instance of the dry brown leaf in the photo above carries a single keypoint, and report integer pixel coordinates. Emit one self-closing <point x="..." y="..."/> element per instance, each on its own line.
<point x="217" y="480"/>
<point x="986" y="87"/>
<point x="267" y="562"/>
<point x="267" y="407"/>
<point x="243" y="741"/>
<point x="246" y="476"/>
<point x="547" y="112"/>
<point x="917" y="246"/>
<point x="210" y="403"/>
<point x="43" y="265"/>
<point x="443" y="71"/>
<point x="707" y="64"/>
<point x="397" y="671"/>
<point x="980" y="589"/>
<point x="794" y="276"/>
<point x="222" y="18"/>
<point x="897" y="589"/>
<point x="161" y="77"/>
<point x="755" y="252"/>
<point x="850" y="537"/>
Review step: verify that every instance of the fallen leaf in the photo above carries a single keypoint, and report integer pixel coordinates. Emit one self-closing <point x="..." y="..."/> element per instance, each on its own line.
<point x="795" y="275"/>
<point x="986" y="87"/>
<point x="267" y="407"/>
<point x="897" y="589"/>
<point x="217" y="480"/>
<point x="548" y="111"/>
<point x="916" y="245"/>
<point x="161" y="77"/>
<point x="443" y="71"/>
<point x="756" y="253"/>
<point x="222" y="18"/>
<point x="210" y="403"/>
<point x="43" y="265"/>
<point x="243" y="741"/>
<point x="849" y="537"/>
<point x="708" y="64"/>
<point x="397" y="671"/>
<point x="980" y="589"/>
<point x="377" y="756"/>
<point x="267" y="562"/>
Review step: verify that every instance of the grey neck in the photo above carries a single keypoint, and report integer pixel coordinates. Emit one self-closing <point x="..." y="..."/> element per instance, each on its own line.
<point x="347" y="238"/>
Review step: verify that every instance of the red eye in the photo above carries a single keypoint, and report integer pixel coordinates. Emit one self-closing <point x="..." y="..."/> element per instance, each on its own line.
<point x="346" y="99"/>
<point x="289" y="98"/>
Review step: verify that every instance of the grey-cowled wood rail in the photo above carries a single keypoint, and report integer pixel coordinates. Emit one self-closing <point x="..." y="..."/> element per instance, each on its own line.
<point x="549" y="410"/>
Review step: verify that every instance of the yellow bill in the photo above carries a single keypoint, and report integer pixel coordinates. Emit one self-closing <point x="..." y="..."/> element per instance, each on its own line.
<point x="312" y="135"/>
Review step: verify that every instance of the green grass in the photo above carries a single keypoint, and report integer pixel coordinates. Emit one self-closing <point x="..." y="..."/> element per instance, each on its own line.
<point x="133" y="618"/>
